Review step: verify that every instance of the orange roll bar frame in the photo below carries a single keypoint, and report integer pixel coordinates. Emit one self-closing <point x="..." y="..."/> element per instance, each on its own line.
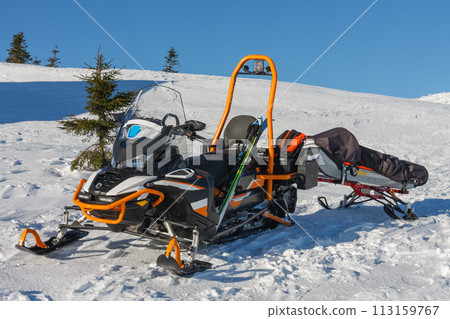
<point x="117" y="205"/>
<point x="273" y="88"/>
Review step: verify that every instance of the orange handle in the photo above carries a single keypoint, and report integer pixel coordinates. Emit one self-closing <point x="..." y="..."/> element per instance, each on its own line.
<point x="117" y="205"/>
<point x="38" y="240"/>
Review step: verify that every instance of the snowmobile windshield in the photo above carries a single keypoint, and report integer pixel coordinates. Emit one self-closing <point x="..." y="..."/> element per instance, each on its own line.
<point x="147" y="138"/>
<point x="160" y="104"/>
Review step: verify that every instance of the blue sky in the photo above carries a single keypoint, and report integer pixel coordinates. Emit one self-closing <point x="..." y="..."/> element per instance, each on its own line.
<point x="399" y="48"/>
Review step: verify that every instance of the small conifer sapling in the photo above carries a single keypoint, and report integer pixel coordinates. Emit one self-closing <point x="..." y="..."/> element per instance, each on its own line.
<point x="53" y="61"/>
<point x="17" y="53"/>
<point x="171" y="61"/>
<point x="103" y="101"/>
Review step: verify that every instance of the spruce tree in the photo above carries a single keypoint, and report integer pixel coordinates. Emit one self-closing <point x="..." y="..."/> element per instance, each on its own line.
<point x="103" y="100"/>
<point x="18" y="50"/>
<point x="53" y="61"/>
<point x="171" y="61"/>
<point x="36" y="61"/>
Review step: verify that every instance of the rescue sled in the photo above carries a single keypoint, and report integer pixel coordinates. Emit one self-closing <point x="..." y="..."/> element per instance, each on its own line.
<point x="373" y="176"/>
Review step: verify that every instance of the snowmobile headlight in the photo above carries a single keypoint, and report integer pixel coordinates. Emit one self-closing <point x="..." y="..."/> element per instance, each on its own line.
<point x="84" y="196"/>
<point x="106" y="199"/>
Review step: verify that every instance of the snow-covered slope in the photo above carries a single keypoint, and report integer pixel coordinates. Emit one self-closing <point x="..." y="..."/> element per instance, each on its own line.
<point x="443" y="98"/>
<point x="351" y="254"/>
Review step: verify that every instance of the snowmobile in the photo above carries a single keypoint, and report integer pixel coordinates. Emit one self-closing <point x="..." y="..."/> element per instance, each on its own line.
<point x="167" y="183"/>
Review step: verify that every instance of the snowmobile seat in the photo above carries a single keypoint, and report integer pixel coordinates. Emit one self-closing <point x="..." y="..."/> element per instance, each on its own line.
<point x="213" y="163"/>
<point x="219" y="163"/>
<point x="236" y="130"/>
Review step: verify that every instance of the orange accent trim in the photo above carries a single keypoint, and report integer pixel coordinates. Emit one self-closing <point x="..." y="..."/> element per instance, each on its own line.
<point x="366" y="168"/>
<point x="275" y="177"/>
<point x="273" y="88"/>
<point x="240" y="195"/>
<point x="296" y="141"/>
<point x="38" y="240"/>
<point x="174" y="244"/>
<point x="202" y="211"/>
<point x="278" y="219"/>
<point x="199" y="187"/>
<point x="257" y="183"/>
<point x="358" y="166"/>
<point x="282" y="142"/>
<point x="236" y="201"/>
<point x="117" y="205"/>
<point x="235" y="204"/>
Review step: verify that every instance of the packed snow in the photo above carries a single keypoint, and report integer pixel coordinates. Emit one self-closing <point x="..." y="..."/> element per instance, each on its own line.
<point x="443" y="98"/>
<point x="350" y="254"/>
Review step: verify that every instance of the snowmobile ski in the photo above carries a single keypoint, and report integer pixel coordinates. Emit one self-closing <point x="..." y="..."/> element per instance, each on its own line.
<point x="43" y="248"/>
<point x="178" y="267"/>
<point x="169" y="263"/>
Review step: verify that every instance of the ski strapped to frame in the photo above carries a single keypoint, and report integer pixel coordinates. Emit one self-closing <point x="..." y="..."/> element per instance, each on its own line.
<point x="244" y="155"/>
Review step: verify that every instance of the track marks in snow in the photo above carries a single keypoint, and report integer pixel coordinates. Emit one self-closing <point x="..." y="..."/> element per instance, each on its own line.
<point x="53" y="172"/>
<point x="7" y="191"/>
<point x="21" y="190"/>
<point x="25" y="295"/>
<point x="18" y="171"/>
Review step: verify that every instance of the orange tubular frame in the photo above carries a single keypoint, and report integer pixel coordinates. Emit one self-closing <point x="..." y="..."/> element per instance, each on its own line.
<point x="273" y="88"/>
<point x="173" y="243"/>
<point x="277" y="219"/>
<point x="117" y="205"/>
<point x="38" y="240"/>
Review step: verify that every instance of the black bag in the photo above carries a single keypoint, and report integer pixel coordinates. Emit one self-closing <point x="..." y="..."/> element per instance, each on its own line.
<point x="289" y="145"/>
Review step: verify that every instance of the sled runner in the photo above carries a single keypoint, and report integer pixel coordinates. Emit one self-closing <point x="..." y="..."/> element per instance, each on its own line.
<point x="159" y="186"/>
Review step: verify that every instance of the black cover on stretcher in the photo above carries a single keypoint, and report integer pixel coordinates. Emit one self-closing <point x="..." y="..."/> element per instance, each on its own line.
<point x="341" y="146"/>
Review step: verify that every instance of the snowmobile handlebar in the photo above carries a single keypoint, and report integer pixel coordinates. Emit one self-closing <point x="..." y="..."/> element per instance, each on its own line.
<point x="118" y="205"/>
<point x="164" y="119"/>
